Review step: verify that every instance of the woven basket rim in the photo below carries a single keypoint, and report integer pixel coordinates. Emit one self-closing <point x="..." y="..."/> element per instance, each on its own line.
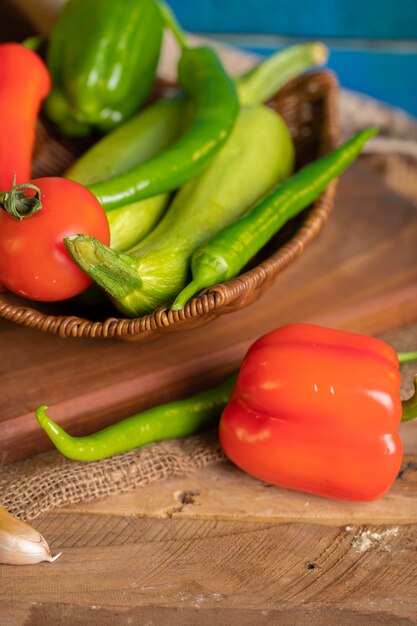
<point x="213" y="300"/>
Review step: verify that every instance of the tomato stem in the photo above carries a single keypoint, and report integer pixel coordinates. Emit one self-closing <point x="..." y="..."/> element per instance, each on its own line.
<point x="33" y="43"/>
<point x="17" y="203"/>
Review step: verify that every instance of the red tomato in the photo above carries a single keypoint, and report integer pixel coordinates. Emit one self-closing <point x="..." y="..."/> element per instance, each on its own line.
<point x="34" y="262"/>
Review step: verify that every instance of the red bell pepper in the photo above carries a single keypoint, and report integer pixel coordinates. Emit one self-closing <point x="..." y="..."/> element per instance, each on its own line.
<point x="24" y="83"/>
<point x="317" y="410"/>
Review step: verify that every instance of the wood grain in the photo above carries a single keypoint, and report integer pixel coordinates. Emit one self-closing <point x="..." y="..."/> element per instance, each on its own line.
<point x="360" y="274"/>
<point x="223" y="492"/>
<point x="220" y="547"/>
<point x="149" y="571"/>
<point x="178" y="552"/>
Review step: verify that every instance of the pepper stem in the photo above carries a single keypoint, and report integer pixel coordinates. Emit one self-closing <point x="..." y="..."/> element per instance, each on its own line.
<point x="188" y="292"/>
<point x="407" y="357"/>
<point x="19" y="205"/>
<point x="171" y="22"/>
<point x="204" y="275"/>
<point x="410" y="406"/>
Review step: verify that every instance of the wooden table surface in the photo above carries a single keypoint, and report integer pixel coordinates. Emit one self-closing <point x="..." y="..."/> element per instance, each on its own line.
<point x="219" y="547"/>
<point x="360" y="274"/>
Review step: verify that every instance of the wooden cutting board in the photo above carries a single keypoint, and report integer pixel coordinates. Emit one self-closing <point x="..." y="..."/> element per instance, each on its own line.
<point x="360" y="274"/>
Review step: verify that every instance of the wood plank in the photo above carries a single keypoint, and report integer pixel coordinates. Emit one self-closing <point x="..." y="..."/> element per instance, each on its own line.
<point x="150" y="571"/>
<point x="223" y="492"/>
<point x="359" y="274"/>
<point x="136" y="560"/>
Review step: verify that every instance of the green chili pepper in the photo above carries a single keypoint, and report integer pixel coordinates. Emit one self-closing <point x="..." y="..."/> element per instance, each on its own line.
<point x="137" y="140"/>
<point x="228" y="252"/>
<point x="214" y="95"/>
<point x="102" y="57"/>
<point x="157" y="126"/>
<point x="258" y="153"/>
<point x="167" y="421"/>
<point x="201" y="75"/>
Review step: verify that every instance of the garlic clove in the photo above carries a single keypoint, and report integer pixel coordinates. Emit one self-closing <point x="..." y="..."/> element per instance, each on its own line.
<point x="20" y="544"/>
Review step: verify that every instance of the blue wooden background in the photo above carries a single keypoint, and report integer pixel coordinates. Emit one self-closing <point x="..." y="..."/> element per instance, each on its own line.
<point x="373" y="43"/>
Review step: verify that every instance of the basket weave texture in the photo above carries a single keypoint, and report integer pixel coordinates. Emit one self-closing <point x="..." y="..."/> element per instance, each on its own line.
<point x="309" y="107"/>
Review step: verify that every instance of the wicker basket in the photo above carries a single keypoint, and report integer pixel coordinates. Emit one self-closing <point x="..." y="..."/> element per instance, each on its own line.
<point x="309" y="107"/>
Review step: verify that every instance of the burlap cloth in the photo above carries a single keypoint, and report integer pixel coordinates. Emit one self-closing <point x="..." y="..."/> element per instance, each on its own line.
<point x="47" y="481"/>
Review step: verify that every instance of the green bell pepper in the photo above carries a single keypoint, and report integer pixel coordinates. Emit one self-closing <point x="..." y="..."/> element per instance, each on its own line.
<point x="102" y="57"/>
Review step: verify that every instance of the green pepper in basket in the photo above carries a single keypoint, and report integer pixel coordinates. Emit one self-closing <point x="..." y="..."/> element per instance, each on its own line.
<point x="258" y="153"/>
<point x="228" y="252"/>
<point x="215" y="108"/>
<point x="102" y="57"/>
<point x="159" y="125"/>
